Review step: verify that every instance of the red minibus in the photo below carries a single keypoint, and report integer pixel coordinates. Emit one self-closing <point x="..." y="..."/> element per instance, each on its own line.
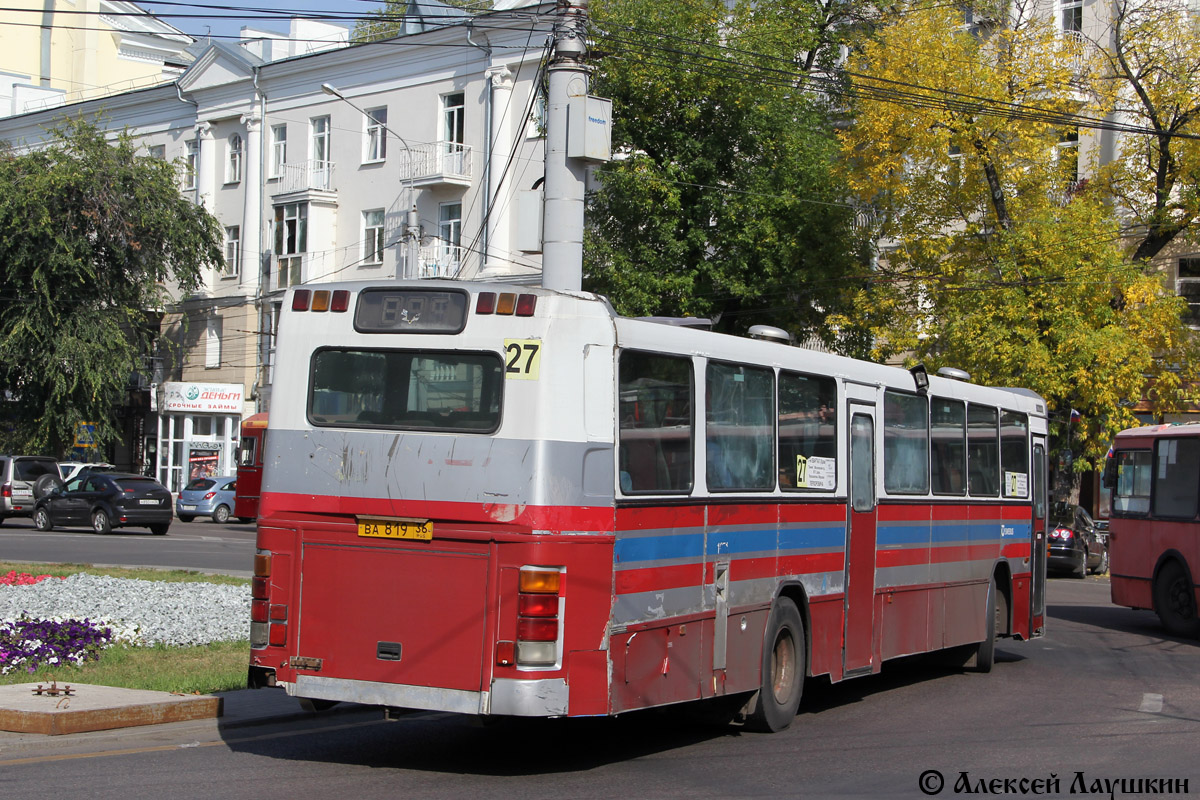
<point x="250" y="466"/>
<point x="1154" y="526"/>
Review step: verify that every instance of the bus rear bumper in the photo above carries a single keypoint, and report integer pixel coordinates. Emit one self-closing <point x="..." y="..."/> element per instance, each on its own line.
<point x="520" y="698"/>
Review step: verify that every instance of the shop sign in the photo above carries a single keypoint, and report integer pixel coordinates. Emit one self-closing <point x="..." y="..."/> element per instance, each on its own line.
<point x="207" y="398"/>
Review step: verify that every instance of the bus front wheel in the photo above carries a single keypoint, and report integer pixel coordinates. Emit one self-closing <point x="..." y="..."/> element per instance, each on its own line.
<point x="1175" y="600"/>
<point x="985" y="651"/>
<point x="783" y="668"/>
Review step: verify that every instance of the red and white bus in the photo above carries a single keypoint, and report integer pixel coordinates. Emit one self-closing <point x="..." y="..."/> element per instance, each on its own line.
<point x="516" y="502"/>
<point x="1154" y="527"/>
<point x="250" y="466"/>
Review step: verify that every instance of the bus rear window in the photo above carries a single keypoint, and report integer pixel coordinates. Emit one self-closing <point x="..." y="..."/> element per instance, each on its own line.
<point x="418" y="390"/>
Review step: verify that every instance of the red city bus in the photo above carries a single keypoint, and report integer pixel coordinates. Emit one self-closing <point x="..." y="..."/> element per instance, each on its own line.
<point x="519" y="503"/>
<point x="1154" y="526"/>
<point x="250" y="466"/>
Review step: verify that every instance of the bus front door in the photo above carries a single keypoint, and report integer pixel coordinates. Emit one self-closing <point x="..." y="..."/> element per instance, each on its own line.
<point x="859" y="627"/>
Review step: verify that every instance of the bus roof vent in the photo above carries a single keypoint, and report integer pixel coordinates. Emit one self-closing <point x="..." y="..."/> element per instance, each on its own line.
<point x="955" y="374"/>
<point x="681" y="322"/>
<point x="769" y="333"/>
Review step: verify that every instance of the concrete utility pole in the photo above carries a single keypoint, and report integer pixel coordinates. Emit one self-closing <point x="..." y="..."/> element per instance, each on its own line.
<point x="562" y="246"/>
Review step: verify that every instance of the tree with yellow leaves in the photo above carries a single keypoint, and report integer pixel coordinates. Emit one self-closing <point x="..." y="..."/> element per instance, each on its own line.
<point x="997" y="259"/>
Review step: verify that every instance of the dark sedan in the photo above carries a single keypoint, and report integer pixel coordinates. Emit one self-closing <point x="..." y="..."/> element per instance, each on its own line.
<point x="106" y="500"/>
<point x="1077" y="544"/>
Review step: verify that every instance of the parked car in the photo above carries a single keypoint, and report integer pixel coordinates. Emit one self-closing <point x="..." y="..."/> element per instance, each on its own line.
<point x="72" y="469"/>
<point x="23" y="479"/>
<point x="106" y="500"/>
<point x="1077" y="544"/>
<point x="208" y="497"/>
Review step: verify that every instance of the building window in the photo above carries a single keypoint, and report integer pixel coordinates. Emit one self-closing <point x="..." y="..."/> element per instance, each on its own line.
<point x="453" y="121"/>
<point x="1187" y="286"/>
<point x="278" y="150"/>
<point x="233" y="249"/>
<point x="1072" y="16"/>
<point x="212" y="344"/>
<point x="319" y="153"/>
<point x="536" y="127"/>
<point x="291" y="241"/>
<point x="158" y="151"/>
<point x="1067" y="151"/>
<point x="373" y="236"/>
<point x="191" y="163"/>
<point x="450" y="232"/>
<point x="376" y="143"/>
<point x="233" y="168"/>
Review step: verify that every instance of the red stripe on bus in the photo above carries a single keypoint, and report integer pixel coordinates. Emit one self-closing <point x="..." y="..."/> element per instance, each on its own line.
<point x="551" y="518"/>
<point x="652" y="579"/>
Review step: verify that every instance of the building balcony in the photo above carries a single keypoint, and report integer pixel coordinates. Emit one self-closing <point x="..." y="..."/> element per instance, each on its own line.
<point x="439" y="163"/>
<point x="303" y="177"/>
<point x="440" y="260"/>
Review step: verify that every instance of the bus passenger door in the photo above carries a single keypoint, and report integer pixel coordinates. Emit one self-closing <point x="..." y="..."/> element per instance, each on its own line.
<point x="1040" y="542"/>
<point x="858" y="631"/>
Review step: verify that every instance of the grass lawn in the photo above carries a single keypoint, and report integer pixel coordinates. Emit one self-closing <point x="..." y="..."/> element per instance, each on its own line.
<point x="210" y="668"/>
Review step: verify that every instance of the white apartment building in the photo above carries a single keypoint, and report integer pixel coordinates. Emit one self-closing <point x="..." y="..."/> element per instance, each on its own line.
<point x="400" y="158"/>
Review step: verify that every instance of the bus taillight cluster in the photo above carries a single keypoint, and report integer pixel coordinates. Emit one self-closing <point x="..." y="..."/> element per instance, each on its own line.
<point x="506" y="303"/>
<point x="268" y="623"/>
<point x="539" y="606"/>
<point x="321" y="300"/>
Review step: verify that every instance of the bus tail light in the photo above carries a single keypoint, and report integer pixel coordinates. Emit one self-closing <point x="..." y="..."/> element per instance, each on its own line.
<point x="262" y="613"/>
<point x="506" y="304"/>
<point x="321" y="300"/>
<point x="539" y="606"/>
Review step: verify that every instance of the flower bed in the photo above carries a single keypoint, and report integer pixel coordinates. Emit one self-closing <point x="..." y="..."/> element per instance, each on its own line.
<point x="51" y="622"/>
<point x="32" y="643"/>
<point x="14" y="578"/>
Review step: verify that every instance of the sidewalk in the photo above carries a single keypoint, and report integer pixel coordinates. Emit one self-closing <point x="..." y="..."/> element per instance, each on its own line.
<point x="238" y="709"/>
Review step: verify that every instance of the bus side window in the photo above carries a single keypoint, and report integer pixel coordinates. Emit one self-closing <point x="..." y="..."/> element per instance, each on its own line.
<point x="807" y="432"/>
<point x="1014" y="453"/>
<point x="656" y="423"/>
<point x="983" y="452"/>
<point x="948" y="457"/>
<point x="905" y="443"/>
<point x="739" y="427"/>
<point x="1174" y="494"/>
<point x="1132" y="493"/>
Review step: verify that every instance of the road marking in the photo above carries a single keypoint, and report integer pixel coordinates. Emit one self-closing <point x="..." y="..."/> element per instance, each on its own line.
<point x="1151" y="703"/>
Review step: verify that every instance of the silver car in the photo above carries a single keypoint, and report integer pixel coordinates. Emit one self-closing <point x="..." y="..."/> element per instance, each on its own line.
<point x="207" y="497"/>
<point x="24" y="479"/>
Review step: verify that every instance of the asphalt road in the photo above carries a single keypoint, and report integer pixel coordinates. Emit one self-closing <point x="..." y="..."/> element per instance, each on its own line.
<point x="1105" y="696"/>
<point x="200" y="545"/>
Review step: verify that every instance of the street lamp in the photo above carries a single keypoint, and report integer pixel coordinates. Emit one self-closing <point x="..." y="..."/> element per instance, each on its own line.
<point x="412" y="227"/>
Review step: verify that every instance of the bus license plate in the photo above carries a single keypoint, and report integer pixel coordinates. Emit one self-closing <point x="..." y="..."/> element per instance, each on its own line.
<point x="420" y="529"/>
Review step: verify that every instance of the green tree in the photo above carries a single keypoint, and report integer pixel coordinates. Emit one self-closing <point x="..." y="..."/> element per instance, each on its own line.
<point x="90" y="232"/>
<point x="998" y="260"/>
<point x="722" y="201"/>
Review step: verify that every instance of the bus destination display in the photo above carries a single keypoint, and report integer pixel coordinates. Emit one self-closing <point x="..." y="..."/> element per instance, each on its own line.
<point x="410" y="311"/>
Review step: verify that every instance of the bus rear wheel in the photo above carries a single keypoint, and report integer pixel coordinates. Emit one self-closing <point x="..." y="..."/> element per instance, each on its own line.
<point x="1175" y="600"/>
<point x="783" y="669"/>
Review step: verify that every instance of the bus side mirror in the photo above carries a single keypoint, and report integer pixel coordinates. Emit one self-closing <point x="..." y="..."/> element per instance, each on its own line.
<point x="1109" y="478"/>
